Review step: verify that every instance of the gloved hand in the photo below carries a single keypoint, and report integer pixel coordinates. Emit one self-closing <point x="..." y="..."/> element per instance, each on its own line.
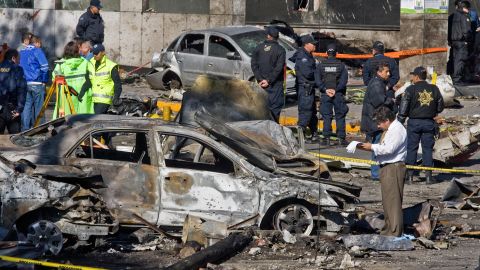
<point x="80" y="96"/>
<point x="116" y="101"/>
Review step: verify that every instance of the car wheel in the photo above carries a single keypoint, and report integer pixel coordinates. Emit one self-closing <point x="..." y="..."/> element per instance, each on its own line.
<point x="45" y="236"/>
<point x="295" y="218"/>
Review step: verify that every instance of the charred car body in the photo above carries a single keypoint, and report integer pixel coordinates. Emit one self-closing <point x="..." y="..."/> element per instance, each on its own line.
<point x="223" y="52"/>
<point x="89" y="174"/>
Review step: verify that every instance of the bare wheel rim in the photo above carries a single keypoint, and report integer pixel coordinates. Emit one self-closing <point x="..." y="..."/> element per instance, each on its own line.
<point x="295" y="218"/>
<point x="46" y="236"/>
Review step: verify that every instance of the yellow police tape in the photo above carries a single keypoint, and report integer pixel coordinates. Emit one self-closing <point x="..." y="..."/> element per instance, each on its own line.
<point x="47" y="264"/>
<point x="370" y="162"/>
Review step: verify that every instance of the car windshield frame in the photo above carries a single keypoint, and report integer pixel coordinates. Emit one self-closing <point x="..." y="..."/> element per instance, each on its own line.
<point x="248" y="45"/>
<point x="39" y="134"/>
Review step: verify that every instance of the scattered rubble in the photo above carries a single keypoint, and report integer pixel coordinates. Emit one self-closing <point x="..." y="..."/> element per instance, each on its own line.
<point x="462" y="196"/>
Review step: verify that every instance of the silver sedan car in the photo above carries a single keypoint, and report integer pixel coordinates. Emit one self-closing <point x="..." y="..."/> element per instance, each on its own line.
<point x="223" y="52"/>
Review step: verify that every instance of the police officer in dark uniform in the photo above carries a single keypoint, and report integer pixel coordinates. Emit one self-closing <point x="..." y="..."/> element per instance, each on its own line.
<point x="12" y="93"/>
<point x="268" y="61"/>
<point x="331" y="79"/>
<point x="370" y="69"/>
<point x="305" y="84"/>
<point x="421" y="103"/>
<point x="90" y="25"/>
<point x="460" y="35"/>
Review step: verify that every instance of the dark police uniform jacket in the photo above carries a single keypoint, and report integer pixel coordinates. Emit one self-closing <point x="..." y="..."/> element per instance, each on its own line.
<point x="331" y="73"/>
<point x="370" y="69"/>
<point x="12" y="88"/>
<point x="304" y="67"/>
<point x="91" y="27"/>
<point x="421" y="101"/>
<point x="375" y="97"/>
<point x="459" y="27"/>
<point x="268" y="61"/>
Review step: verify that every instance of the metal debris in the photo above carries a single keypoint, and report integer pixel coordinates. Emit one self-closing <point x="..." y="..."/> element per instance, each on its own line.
<point x="462" y="196"/>
<point x="377" y="242"/>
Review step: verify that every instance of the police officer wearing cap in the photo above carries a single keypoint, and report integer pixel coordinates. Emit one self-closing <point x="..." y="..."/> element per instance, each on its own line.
<point x="370" y="68"/>
<point x="9" y="116"/>
<point x="460" y="36"/>
<point x="421" y="103"/>
<point x="268" y="61"/>
<point x="331" y="79"/>
<point x="104" y="80"/>
<point x="90" y="25"/>
<point x="305" y="84"/>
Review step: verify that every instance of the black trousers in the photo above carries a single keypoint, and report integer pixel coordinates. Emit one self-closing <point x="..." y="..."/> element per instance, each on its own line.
<point x="12" y="125"/>
<point x="460" y="57"/>
<point x="100" y="108"/>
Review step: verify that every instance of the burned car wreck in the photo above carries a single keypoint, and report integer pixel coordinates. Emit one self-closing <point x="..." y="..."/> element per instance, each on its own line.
<point x="89" y="175"/>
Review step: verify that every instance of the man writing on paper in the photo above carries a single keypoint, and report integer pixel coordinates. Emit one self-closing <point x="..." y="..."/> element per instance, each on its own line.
<point x="390" y="153"/>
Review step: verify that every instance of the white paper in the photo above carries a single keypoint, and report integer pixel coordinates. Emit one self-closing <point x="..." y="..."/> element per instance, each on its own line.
<point x="352" y="146"/>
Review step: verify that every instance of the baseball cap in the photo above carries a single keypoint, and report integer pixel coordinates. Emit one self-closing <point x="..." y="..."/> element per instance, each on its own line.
<point x="272" y="31"/>
<point x="379" y="46"/>
<point x="97" y="48"/>
<point x="308" y="39"/>
<point x="331" y="48"/>
<point x="419" y="71"/>
<point x="96" y="3"/>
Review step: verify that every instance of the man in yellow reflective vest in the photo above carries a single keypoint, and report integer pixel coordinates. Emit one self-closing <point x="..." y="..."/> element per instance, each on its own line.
<point x="104" y="80"/>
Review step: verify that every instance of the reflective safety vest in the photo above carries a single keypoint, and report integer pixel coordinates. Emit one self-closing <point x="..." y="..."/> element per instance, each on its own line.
<point x="74" y="70"/>
<point x="101" y="79"/>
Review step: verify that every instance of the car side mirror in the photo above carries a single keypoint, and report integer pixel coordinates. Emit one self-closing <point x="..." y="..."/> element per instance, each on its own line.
<point x="233" y="56"/>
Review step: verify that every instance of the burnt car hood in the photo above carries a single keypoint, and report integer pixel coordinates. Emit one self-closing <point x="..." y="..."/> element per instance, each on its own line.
<point x="228" y="100"/>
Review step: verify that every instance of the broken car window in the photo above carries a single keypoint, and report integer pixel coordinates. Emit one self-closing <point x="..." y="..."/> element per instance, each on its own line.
<point x="115" y="145"/>
<point x="39" y="134"/>
<point x="219" y="47"/>
<point x="249" y="41"/>
<point x="192" y="43"/>
<point x="184" y="152"/>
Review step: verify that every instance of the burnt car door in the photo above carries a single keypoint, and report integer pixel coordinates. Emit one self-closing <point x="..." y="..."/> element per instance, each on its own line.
<point x="190" y="57"/>
<point x="128" y="164"/>
<point x="223" y="59"/>
<point x="198" y="179"/>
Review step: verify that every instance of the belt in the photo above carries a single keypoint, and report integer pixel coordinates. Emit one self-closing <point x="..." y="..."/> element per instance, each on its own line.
<point x="385" y="164"/>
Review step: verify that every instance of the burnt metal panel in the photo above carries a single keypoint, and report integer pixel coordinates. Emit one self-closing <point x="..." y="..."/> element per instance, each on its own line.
<point x="349" y="14"/>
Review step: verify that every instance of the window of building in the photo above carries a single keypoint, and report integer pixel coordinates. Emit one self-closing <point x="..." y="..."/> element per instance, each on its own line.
<point x="16" y="4"/>
<point x="110" y="5"/>
<point x="300" y="5"/>
<point x="192" y="43"/>
<point x="219" y="47"/>
<point x="178" y="6"/>
<point x="115" y="145"/>
<point x="188" y="153"/>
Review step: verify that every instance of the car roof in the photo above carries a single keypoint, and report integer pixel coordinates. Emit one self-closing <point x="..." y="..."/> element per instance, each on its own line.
<point x="114" y="120"/>
<point x="231" y="30"/>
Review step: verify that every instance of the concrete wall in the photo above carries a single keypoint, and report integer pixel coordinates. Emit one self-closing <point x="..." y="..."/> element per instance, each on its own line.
<point x="423" y="31"/>
<point x="131" y="36"/>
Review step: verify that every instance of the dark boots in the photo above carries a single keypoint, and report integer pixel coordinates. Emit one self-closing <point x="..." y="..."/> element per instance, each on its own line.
<point x="429" y="179"/>
<point x="409" y="177"/>
<point x="342" y="142"/>
<point x="325" y="142"/>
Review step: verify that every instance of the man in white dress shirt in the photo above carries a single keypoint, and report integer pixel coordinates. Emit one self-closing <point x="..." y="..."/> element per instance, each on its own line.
<point x="390" y="153"/>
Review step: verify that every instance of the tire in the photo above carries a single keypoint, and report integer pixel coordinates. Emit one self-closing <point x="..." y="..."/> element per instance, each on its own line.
<point x="295" y="218"/>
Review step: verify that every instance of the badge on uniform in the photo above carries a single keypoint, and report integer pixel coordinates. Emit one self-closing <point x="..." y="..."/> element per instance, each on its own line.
<point x="425" y="98"/>
<point x="267" y="48"/>
<point x="304" y="60"/>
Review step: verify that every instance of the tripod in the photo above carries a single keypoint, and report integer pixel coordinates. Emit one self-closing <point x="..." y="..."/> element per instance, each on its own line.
<point x="59" y="86"/>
